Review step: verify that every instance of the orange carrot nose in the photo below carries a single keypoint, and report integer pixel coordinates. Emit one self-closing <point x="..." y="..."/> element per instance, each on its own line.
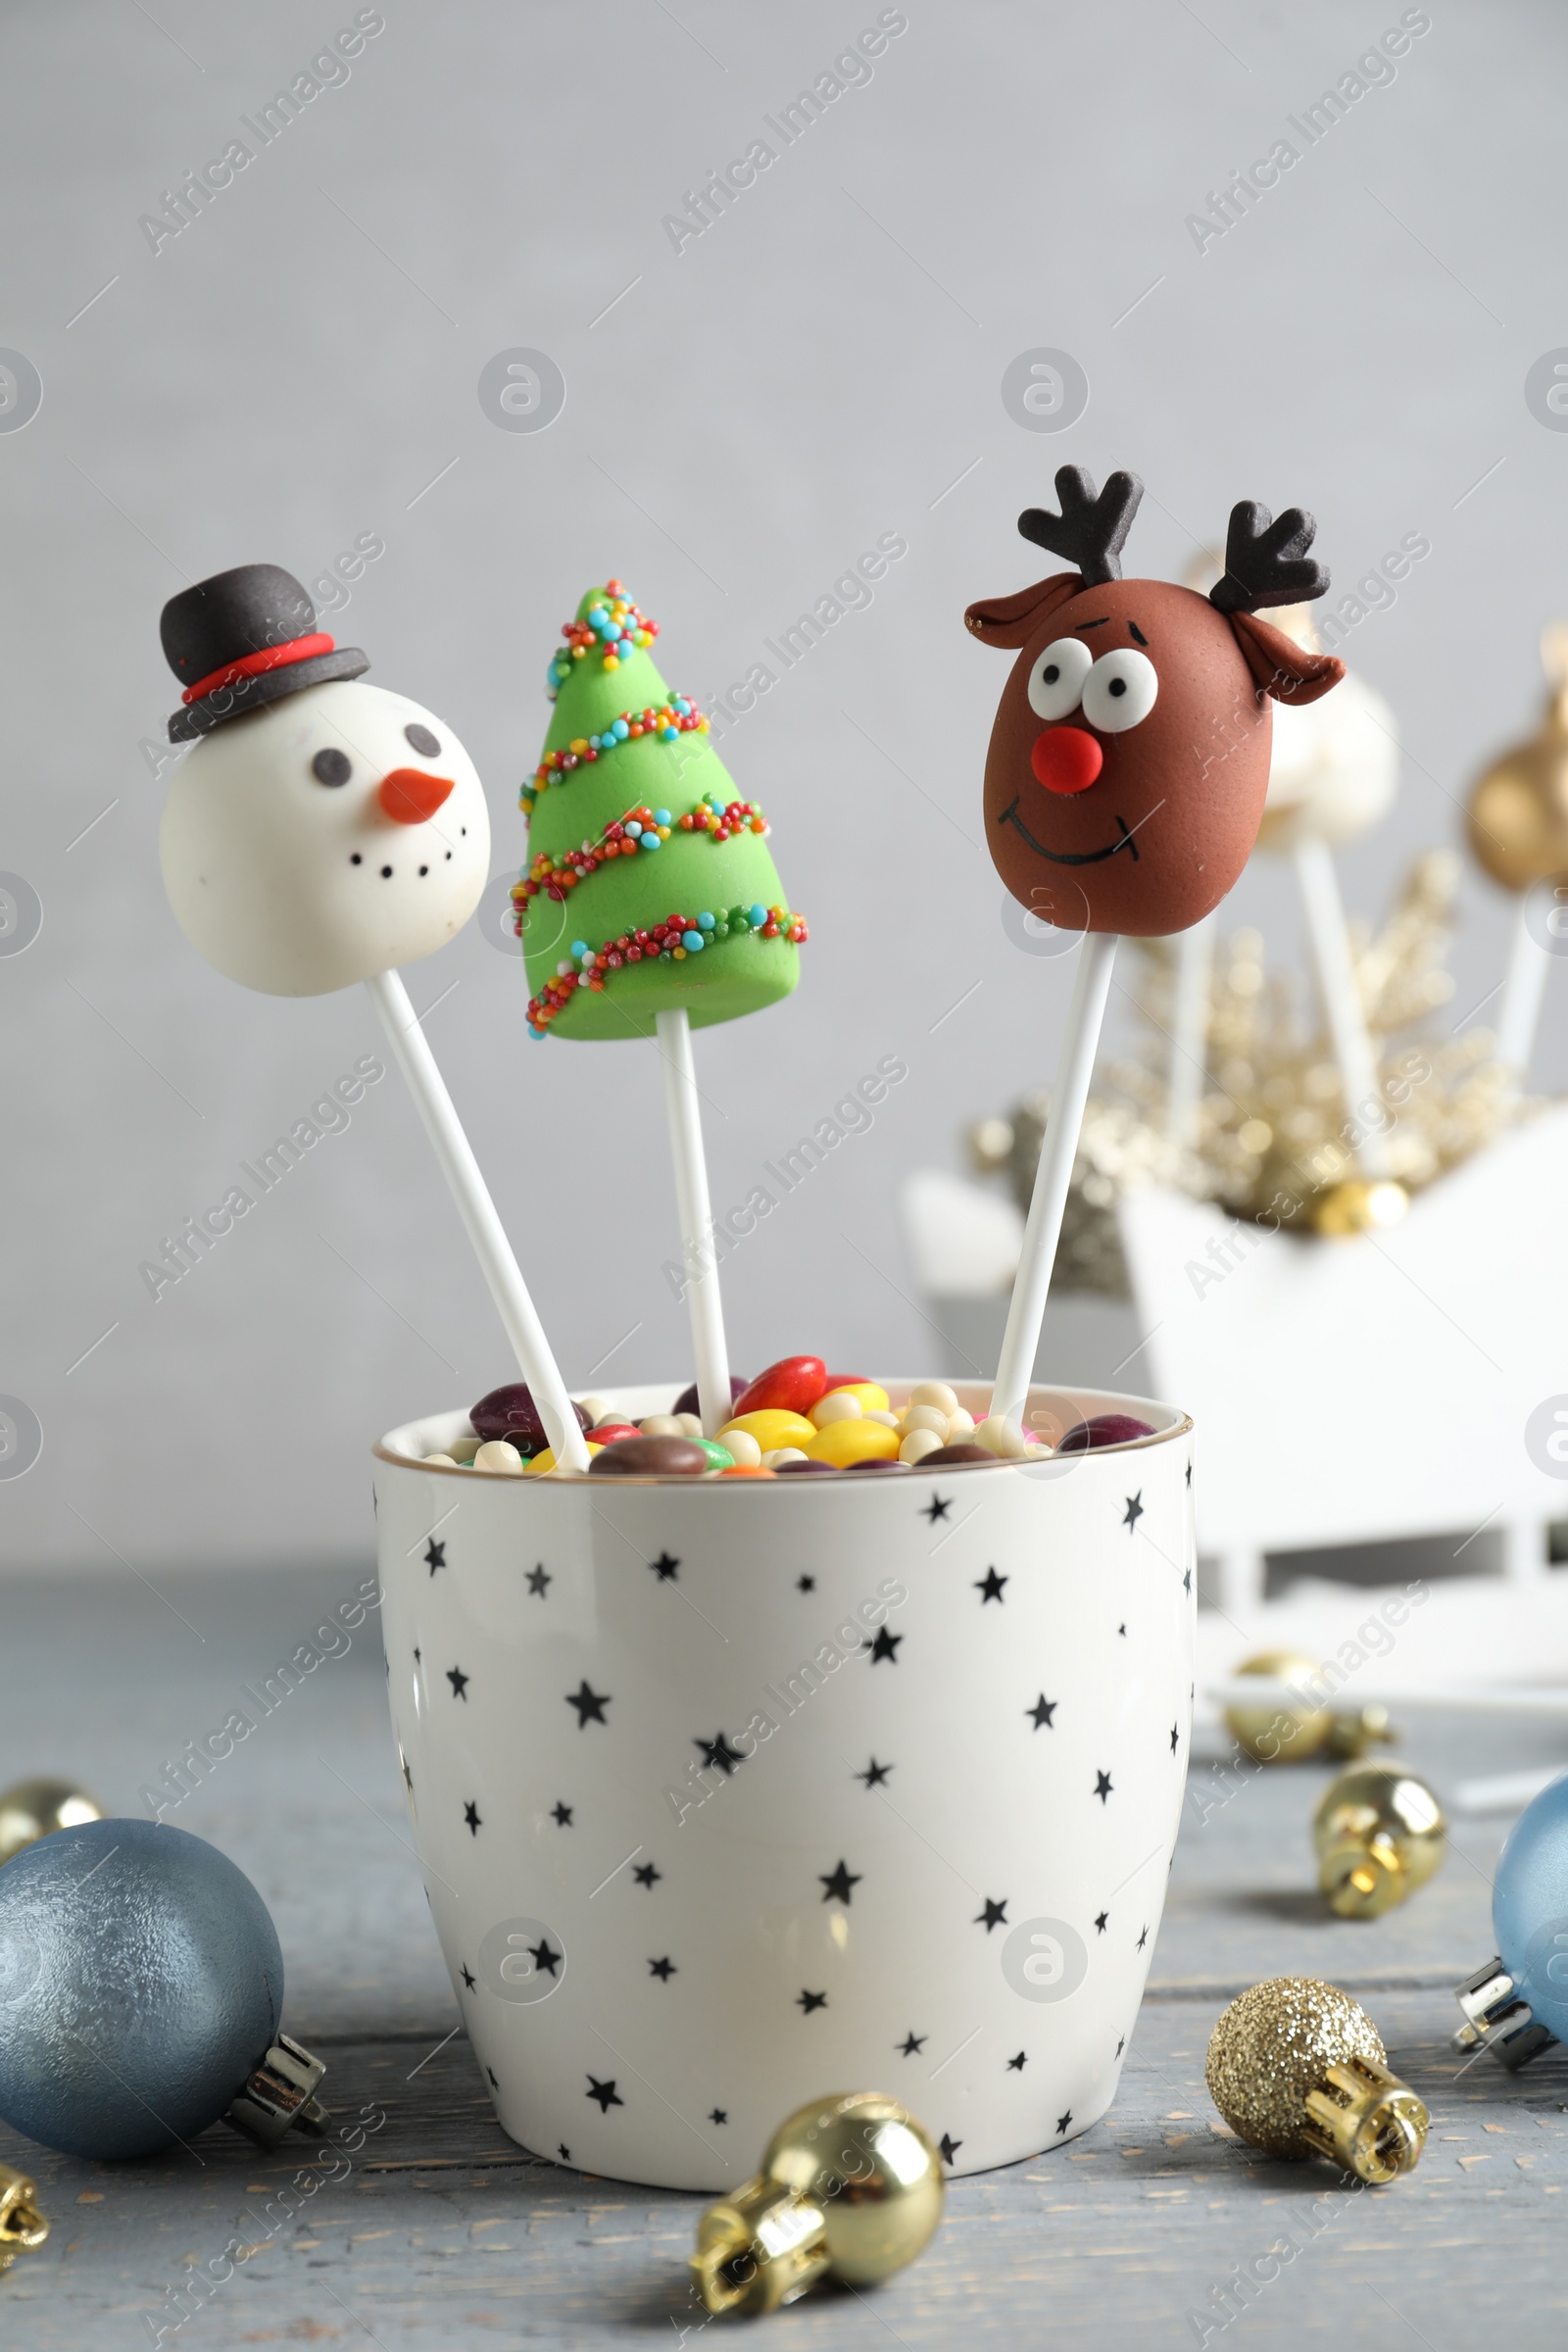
<point x="411" y="795"/>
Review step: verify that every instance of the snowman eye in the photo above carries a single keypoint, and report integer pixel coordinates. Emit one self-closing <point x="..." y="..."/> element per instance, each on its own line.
<point x="423" y="742"/>
<point x="1121" y="689"/>
<point x="1057" y="679"/>
<point x="331" y="767"/>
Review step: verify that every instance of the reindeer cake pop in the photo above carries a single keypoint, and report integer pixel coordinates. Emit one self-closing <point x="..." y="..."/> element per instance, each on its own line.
<point x="324" y="831"/>
<point x="1126" y="775"/>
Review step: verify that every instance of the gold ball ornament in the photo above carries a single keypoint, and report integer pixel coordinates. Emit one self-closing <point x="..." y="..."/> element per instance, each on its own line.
<point x="1379" y="1834"/>
<point x="1298" y="2068"/>
<point x="22" y="2226"/>
<point x="1518" y="823"/>
<point x="31" y="1809"/>
<point x="1357" y="1207"/>
<point x="1276" y="1735"/>
<point x="850" y="2186"/>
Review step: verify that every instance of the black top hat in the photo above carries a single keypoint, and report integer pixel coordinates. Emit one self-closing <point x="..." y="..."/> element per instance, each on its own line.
<point x="243" y="639"/>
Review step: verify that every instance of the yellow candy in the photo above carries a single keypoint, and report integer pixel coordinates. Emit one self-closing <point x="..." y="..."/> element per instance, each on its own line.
<point x="868" y="1395"/>
<point x="542" y="1462"/>
<point x="773" y="1428"/>
<point x="844" y="1441"/>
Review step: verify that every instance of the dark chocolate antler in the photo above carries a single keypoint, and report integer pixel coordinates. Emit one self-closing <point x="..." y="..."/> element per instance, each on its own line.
<point x="1266" y="561"/>
<point x="1092" y="525"/>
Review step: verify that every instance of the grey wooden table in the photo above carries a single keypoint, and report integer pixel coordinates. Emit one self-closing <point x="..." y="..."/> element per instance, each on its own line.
<point x="443" y="2232"/>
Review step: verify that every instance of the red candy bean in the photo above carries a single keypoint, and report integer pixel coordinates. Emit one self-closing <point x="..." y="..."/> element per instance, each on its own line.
<point x="510" y="1412"/>
<point x="843" y="1380"/>
<point x="791" y="1386"/>
<point x="613" y="1433"/>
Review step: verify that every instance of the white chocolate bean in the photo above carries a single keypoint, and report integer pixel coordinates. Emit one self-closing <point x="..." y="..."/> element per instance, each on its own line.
<point x="661" y="1424"/>
<point x="741" y="1446"/>
<point x="888" y="1420"/>
<point x="920" y="1443"/>
<point x="937" y="1393"/>
<point x="499" y="1455"/>
<point x="926" y="1417"/>
<point x="839" y="1406"/>
<point x="960" y="1424"/>
<point x="442" y="1461"/>
<point x="599" y="1409"/>
<point x="464" y="1450"/>
<point x="689" y="1425"/>
<point x="998" y="1437"/>
<point x="781" y="1455"/>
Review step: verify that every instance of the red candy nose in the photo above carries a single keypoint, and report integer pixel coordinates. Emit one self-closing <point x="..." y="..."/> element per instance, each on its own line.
<point x="411" y="795"/>
<point x="1065" y="759"/>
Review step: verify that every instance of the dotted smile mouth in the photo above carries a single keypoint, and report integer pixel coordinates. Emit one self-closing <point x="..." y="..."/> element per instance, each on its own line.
<point x="1010" y="816"/>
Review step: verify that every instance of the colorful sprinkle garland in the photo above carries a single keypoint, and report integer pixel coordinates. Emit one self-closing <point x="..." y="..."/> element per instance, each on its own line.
<point x="671" y="942"/>
<point x="640" y="828"/>
<point x="612" y="628"/>
<point x="677" y="717"/>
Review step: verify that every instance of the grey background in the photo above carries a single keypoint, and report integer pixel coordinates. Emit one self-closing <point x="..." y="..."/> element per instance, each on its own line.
<point x="821" y="365"/>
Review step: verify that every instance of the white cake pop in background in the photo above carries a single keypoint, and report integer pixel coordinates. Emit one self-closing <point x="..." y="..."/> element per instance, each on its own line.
<point x="333" y="835"/>
<point x="1335" y="769"/>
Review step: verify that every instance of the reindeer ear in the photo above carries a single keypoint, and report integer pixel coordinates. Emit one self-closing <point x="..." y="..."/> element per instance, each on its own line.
<point x="1281" y="667"/>
<point x="1010" y="621"/>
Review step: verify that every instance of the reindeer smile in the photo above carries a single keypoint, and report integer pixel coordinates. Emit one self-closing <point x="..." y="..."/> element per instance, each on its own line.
<point x="1010" y="816"/>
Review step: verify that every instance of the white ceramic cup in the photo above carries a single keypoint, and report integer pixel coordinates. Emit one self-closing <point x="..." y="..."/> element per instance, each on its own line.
<point x="731" y="1793"/>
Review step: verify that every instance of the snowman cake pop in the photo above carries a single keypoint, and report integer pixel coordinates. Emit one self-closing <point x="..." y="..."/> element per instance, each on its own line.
<point x="323" y="830"/>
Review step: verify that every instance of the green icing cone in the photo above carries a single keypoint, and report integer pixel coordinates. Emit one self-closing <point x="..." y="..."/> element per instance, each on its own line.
<point x="722" y="886"/>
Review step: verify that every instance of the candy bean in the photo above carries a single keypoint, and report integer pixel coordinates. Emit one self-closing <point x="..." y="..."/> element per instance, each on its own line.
<point x="691" y="1424"/>
<point x="924" y="1416"/>
<point x="888" y="1418"/>
<point x="599" y="1409"/>
<point x="464" y="1450"/>
<point x="919" y="1444"/>
<point x="719" y="1457"/>
<point x="661" y="1425"/>
<point x="541" y="1465"/>
<point x="509" y="1413"/>
<point x="686" y="1401"/>
<point x="441" y="1461"/>
<point x="1103" y="1429"/>
<point x="846" y="1442"/>
<point x="840" y="1406"/>
<point x="772" y="1428"/>
<point x="960" y="1424"/>
<point x="611" y="1432"/>
<point x="650" y="1457"/>
<point x="741" y="1446"/>
<point x="874" y="1462"/>
<point x="845" y="1380"/>
<point x="937" y="1393"/>
<point x="785" y="1469"/>
<point x="998" y="1437"/>
<point x="497" y="1454"/>
<point x="947" y="1457"/>
<point x="747" y="1470"/>
<point x="782" y="1454"/>
<point x="792" y="1386"/>
<point x="872" y="1396"/>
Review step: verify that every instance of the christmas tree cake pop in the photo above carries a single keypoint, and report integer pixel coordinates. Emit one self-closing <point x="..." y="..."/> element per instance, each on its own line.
<point x="651" y="884"/>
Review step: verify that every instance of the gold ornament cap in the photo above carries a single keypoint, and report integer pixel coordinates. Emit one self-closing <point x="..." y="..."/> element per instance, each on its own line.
<point x="22" y="2226"/>
<point x="1298" y="2068"/>
<point x="33" y="1809"/>
<point x="849" y="2185"/>
<point x="1378" y="1833"/>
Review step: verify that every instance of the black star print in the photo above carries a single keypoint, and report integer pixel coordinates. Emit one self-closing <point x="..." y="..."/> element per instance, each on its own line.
<point x="1102" y="1786"/>
<point x="561" y="1814"/>
<point x="459" y="1683"/>
<point x="991" y="1588"/>
<point x="1189" y="1476"/>
<point x="1135" y="1509"/>
<point x="1015" y="2066"/>
<point x="839" y="1881"/>
<point x="811" y="2000"/>
<point x="719" y="2115"/>
<point x="886" y="1646"/>
<point x="664" y="1568"/>
<point x="604" y="2093"/>
<point x="1175" y="1737"/>
<point x="1062" y="2121"/>
<point x="467" y="1979"/>
<point x="937" y="1509"/>
<point x="717" y="1754"/>
<point x="645" y="1874"/>
<point x="874" y="1774"/>
<point x="664" y="1969"/>
<point x="537" y="1579"/>
<point x="494" y="2085"/>
<point x="1187" y="1580"/>
<point x="1100" y="1920"/>
<point x="544" y="1957"/>
<point x="912" y="2042"/>
<point x="1122" y="1630"/>
<point x="563" y="2151"/>
<point x="806" y="1584"/>
<point x="471" y="1814"/>
<point x="418" y="1656"/>
<point x="1043" y="1710"/>
<point x="1142" y="1939"/>
<point x="435" y="1555"/>
<point x="949" y="2146"/>
<point x="1121" y="2045"/>
<point x="590" y="1707"/>
<point x="995" y="1915"/>
<point x="408" y="1773"/>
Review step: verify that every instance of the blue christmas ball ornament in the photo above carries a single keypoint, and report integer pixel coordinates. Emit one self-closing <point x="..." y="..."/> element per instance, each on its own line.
<point x="1530" y="1907"/>
<point x="142" y="1992"/>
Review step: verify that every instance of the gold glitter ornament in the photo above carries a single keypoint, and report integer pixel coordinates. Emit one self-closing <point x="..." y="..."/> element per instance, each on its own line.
<point x="1518" y="827"/>
<point x="31" y="1809"/>
<point x="1379" y="1834"/>
<point x="1298" y="2068"/>
<point x="849" y="2185"/>
<point x="22" y="2226"/>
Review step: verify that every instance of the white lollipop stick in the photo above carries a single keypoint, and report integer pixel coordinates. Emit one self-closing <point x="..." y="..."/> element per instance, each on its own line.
<point x="1189" y="1045"/>
<point x="1026" y="1313"/>
<point x="1522" y="992"/>
<point x="700" y="1258"/>
<point x="1341" y="1001"/>
<point x="478" y="1213"/>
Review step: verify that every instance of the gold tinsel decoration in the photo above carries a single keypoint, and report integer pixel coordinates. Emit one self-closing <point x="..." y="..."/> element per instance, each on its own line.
<point x="1269" y="1126"/>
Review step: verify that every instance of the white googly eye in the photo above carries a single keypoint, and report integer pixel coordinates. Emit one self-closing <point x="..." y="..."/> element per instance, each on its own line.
<point x="1057" y="678"/>
<point x="1120" y="689"/>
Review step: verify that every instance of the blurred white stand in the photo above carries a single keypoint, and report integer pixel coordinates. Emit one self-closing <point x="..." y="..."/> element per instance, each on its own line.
<point x="1189" y="1044"/>
<point x="1342" y="999"/>
<point x="1522" y="993"/>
